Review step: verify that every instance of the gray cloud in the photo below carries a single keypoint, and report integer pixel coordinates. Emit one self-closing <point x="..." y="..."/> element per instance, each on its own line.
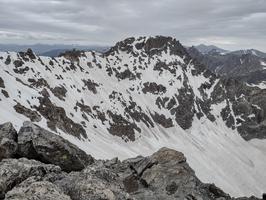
<point x="231" y="24"/>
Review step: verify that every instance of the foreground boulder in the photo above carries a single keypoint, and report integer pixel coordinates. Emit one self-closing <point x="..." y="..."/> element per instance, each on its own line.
<point x="8" y="141"/>
<point x="164" y="175"/>
<point x="98" y="181"/>
<point x="37" y="143"/>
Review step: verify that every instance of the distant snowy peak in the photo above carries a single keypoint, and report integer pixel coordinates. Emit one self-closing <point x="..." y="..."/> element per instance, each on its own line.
<point x="205" y="49"/>
<point x="254" y="52"/>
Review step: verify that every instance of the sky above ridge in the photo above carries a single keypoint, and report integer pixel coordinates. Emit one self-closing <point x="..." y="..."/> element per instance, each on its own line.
<point x="230" y="24"/>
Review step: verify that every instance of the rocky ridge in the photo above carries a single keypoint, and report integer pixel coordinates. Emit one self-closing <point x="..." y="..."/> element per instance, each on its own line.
<point x="163" y="175"/>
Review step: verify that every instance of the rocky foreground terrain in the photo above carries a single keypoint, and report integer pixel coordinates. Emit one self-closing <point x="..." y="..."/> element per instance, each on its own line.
<point x="37" y="164"/>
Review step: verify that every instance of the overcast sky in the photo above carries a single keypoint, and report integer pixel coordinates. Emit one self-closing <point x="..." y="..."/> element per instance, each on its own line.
<point x="231" y="24"/>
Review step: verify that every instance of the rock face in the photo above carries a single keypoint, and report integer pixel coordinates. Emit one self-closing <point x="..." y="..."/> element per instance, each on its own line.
<point x="37" y="143"/>
<point x="8" y="141"/>
<point x="163" y="175"/>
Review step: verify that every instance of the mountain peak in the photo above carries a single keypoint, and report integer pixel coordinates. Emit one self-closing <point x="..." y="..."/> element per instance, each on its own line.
<point x="205" y="49"/>
<point x="150" y="45"/>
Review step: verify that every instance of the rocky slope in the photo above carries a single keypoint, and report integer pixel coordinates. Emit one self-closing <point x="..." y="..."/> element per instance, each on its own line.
<point x="244" y="65"/>
<point x="163" y="175"/>
<point x="141" y="95"/>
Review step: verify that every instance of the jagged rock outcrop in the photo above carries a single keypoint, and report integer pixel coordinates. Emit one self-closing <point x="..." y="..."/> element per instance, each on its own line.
<point x="8" y="141"/>
<point x="163" y="175"/>
<point x="37" y="143"/>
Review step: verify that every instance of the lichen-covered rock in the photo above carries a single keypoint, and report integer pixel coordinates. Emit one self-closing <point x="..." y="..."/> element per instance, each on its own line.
<point x="33" y="188"/>
<point x="95" y="182"/>
<point x="14" y="171"/>
<point x="40" y="144"/>
<point x="8" y="138"/>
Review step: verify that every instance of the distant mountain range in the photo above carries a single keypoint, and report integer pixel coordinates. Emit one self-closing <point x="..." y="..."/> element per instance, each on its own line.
<point x="245" y="65"/>
<point x="51" y="50"/>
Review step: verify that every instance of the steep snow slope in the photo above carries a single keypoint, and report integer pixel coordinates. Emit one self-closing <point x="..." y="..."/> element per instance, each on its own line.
<point x="141" y="95"/>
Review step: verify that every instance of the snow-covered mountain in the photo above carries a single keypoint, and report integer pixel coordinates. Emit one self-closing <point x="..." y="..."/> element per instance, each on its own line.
<point x="205" y="49"/>
<point x="250" y="51"/>
<point x="143" y="94"/>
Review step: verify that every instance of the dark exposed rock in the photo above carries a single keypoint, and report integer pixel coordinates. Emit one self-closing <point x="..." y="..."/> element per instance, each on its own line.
<point x="155" y="45"/>
<point x="122" y="128"/>
<point x="18" y="63"/>
<point x="160" y="66"/>
<point x="153" y="88"/>
<point x="5" y="93"/>
<point x="184" y="112"/>
<point x="57" y="118"/>
<point x="91" y="85"/>
<point x="125" y="74"/>
<point x="37" y="143"/>
<point x="31" y="114"/>
<point x="21" y="70"/>
<point x="8" y="60"/>
<point x="138" y="114"/>
<point x="8" y="141"/>
<point x="162" y="120"/>
<point x="30" y="54"/>
<point x="84" y="108"/>
<point x="27" y="55"/>
<point x="38" y="83"/>
<point x="2" y="84"/>
<point x="59" y="92"/>
<point x="72" y="55"/>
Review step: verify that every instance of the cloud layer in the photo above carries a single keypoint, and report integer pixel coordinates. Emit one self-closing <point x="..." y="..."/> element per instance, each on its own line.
<point x="231" y="24"/>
